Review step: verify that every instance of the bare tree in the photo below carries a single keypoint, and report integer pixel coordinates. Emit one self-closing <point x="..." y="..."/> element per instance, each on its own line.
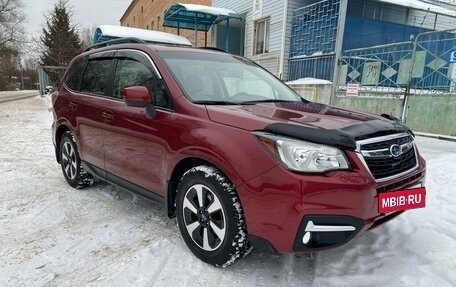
<point x="86" y="35"/>
<point x="11" y="19"/>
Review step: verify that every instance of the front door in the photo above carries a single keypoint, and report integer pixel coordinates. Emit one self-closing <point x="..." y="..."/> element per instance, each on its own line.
<point x="135" y="145"/>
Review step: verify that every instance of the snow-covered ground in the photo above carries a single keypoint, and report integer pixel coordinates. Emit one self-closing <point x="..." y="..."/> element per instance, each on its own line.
<point x="54" y="235"/>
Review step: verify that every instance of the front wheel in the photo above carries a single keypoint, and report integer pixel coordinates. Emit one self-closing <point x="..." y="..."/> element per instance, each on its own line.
<point x="70" y="162"/>
<point x="210" y="216"/>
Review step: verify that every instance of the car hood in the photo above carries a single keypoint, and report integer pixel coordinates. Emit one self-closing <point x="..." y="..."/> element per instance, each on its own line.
<point x="309" y="121"/>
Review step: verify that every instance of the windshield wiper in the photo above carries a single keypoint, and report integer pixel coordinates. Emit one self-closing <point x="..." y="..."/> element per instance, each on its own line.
<point x="266" y="101"/>
<point x="209" y="102"/>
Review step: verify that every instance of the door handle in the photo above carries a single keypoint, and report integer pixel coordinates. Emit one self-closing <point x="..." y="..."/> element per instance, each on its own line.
<point x="108" y="115"/>
<point x="73" y="105"/>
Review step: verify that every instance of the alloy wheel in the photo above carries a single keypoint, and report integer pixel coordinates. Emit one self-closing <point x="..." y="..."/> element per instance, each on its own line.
<point x="69" y="161"/>
<point x="204" y="217"/>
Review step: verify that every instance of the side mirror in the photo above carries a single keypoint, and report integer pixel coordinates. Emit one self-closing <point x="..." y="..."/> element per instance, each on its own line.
<point x="139" y="96"/>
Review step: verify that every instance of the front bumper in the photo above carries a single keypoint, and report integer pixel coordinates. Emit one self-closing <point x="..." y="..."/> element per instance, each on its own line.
<point x="278" y="205"/>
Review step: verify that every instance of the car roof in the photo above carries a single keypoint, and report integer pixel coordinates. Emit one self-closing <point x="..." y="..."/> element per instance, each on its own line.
<point x="156" y="47"/>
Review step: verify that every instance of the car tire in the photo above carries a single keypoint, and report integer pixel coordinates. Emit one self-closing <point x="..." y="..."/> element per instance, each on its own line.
<point x="70" y="162"/>
<point x="210" y="216"/>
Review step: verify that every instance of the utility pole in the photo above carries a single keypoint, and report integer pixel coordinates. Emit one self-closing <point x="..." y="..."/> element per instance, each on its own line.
<point x="338" y="48"/>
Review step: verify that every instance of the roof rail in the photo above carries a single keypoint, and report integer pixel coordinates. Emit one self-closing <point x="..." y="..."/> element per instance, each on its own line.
<point x="116" y="41"/>
<point x="213" y="49"/>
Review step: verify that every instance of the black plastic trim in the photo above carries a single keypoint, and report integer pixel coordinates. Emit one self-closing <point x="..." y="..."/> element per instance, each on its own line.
<point x="122" y="183"/>
<point x="262" y="244"/>
<point x="321" y="136"/>
<point x="93" y="170"/>
<point x="170" y="199"/>
<point x="115" y="42"/>
<point x="344" y="138"/>
<point x="375" y="128"/>
<point x="324" y="240"/>
<point x="57" y="156"/>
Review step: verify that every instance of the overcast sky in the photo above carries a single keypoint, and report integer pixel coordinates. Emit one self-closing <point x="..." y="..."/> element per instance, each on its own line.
<point x="86" y="12"/>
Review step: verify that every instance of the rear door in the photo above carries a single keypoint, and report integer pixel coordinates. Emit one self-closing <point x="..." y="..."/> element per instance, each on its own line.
<point x="135" y="146"/>
<point x="88" y="105"/>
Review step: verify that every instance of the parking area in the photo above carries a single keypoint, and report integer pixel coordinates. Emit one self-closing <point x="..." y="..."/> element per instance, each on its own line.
<point x="54" y="235"/>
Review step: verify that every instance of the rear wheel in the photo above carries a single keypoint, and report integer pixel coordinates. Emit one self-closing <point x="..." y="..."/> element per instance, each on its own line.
<point x="210" y="216"/>
<point x="70" y="162"/>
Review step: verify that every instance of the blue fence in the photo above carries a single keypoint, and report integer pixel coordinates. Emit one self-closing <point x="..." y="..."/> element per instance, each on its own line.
<point x="426" y="65"/>
<point x="313" y="39"/>
<point x="361" y="32"/>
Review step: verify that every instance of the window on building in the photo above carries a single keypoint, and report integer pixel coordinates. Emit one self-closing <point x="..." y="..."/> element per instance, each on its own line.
<point x="158" y="23"/>
<point x="134" y="19"/>
<point x="142" y="9"/>
<point x="261" y="36"/>
<point x="147" y="26"/>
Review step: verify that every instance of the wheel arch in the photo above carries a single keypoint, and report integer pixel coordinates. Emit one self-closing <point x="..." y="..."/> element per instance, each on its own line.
<point x="61" y="129"/>
<point x="180" y="168"/>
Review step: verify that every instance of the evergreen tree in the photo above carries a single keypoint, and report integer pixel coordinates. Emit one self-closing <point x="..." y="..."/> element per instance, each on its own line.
<point x="60" y="40"/>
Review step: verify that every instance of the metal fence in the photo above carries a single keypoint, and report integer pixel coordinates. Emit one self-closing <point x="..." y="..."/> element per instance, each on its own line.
<point x="414" y="80"/>
<point x="49" y="78"/>
<point x="378" y="70"/>
<point x="313" y="40"/>
<point x="426" y="65"/>
<point x="434" y="63"/>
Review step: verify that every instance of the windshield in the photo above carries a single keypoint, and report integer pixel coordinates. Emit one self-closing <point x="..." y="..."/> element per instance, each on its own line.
<point x="208" y="78"/>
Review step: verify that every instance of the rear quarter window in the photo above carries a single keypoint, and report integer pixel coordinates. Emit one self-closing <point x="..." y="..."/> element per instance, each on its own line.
<point x="73" y="80"/>
<point x="96" y="76"/>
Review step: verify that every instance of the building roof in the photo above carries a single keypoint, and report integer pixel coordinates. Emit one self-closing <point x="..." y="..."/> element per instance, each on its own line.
<point x="196" y="17"/>
<point x="422" y="5"/>
<point x="109" y="32"/>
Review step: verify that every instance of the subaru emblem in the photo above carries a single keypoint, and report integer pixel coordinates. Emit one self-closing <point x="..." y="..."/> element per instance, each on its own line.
<point x="395" y="150"/>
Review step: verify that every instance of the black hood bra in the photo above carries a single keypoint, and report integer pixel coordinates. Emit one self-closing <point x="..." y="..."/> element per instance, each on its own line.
<point x="344" y="138"/>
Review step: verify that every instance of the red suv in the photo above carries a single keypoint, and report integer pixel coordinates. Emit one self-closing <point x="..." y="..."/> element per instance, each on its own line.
<point x="238" y="157"/>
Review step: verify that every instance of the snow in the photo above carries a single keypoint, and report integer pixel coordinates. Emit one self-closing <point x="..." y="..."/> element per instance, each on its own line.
<point x="146" y="35"/>
<point x="437" y="136"/>
<point x="422" y="5"/>
<point x="309" y="81"/>
<point x="54" y="235"/>
<point x="209" y="10"/>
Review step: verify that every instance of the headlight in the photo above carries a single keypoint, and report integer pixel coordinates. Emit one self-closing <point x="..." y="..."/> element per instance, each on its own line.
<point x="302" y="156"/>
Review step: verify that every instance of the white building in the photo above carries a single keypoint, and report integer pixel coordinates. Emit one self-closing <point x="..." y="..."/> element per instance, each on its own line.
<point x="302" y="38"/>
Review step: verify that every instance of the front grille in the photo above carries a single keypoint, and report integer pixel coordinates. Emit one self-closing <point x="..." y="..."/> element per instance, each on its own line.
<point x="401" y="183"/>
<point x="387" y="143"/>
<point x="379" y="159"/>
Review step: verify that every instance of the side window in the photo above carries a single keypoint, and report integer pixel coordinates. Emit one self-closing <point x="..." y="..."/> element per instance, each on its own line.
<point x="261" y="36"/>
<point x="73" y="80"/>
<point x="133" y="73"/>
<point x="96" y="76"/>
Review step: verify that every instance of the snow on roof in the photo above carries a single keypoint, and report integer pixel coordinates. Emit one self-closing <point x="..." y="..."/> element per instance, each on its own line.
<point x="309" y="81"/>
<point x="209" y="10"/>
<point x="108" y="32"/>
<point x="422" y="5"/>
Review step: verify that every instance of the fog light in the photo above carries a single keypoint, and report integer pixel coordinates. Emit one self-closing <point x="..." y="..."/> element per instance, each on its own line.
<point x="306" y="238"/>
